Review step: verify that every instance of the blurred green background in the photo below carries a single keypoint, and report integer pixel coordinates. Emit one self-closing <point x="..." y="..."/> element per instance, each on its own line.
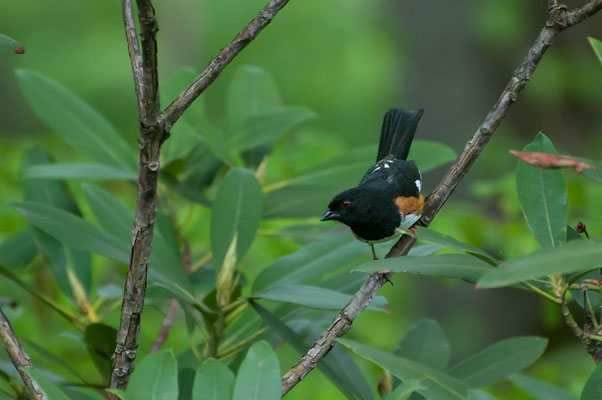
<point x="349" y="62"/>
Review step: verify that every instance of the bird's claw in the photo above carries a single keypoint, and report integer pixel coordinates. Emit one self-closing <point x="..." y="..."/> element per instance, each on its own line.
<point x="386" y="275"/>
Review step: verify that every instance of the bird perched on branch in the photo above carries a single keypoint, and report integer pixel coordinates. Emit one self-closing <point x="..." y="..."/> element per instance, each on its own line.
<point x="388" y="198"/>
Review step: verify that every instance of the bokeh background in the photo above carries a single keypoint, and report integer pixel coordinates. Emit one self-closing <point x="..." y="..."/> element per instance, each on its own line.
<point x="348" y="61"/>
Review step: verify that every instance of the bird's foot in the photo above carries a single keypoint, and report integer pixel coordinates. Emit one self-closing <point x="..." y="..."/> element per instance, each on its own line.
<point x="409" y="231"/>
<point x="386" y="276"/>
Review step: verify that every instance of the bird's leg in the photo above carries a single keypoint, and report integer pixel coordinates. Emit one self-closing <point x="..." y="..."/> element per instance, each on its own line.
<point x="410" y="231"/>
<point x="385" y="274"/>
<point x="373" y="252"/>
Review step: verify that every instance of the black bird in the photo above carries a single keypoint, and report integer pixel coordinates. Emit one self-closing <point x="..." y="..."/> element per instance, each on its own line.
<point x="388" y="198"/>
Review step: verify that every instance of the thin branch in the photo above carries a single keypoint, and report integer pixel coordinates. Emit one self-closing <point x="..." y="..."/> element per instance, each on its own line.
<point x="133" y="48"/>
<point x="18" y="356"/>
<point x="153" y="132"/>
<point x="172" y="311"/>
<point x="559" y="20"/>
<point x="216" y="66"/>
<point x="150" y="75"/>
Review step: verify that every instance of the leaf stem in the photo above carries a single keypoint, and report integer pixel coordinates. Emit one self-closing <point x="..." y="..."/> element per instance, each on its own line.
<point x="542" y="293"/>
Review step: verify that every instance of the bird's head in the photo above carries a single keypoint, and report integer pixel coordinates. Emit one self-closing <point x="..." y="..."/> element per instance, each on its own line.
<point x="344" y="206"/>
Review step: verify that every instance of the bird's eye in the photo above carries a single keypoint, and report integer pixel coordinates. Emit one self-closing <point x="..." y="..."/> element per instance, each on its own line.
<point x="346" y="204"/>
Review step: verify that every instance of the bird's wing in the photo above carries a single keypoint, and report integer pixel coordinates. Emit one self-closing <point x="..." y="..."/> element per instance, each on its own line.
<point x="398" y="177"/>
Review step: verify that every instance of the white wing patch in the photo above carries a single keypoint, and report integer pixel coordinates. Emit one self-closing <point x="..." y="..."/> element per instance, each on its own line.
<point x="418" y="184"/>
<point x="385" y="165"/>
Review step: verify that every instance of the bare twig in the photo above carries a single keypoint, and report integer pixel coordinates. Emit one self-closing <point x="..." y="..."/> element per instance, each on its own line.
<point x="216" y="66"/>
<point x="172" y="311"/>
<point x="154" y="130"/>
<point x="559" y="20"/>
<point x="133" y="48"/>
<point x="18" y="356"/>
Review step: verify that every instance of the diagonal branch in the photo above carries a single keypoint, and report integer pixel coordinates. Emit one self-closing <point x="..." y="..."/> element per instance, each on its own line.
<point x="216" y="66"/>
<point x="18" y="356"/>
<point x="559" y="20"/>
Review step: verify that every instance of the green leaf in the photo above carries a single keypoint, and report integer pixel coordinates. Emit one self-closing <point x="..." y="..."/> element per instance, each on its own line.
<point x="437" y="383"/>
<point x="479" y="395"/>
<point x="426" y="343"/>
<point x="10" y="45"/>
<point x="309" y="264"/>
<point x="155" y="378"/>
<point x="499" y="360"/>
<point x="265" y="128"/>
<point x="574" y="256"/>
<point x="117" y="392"/>
<point x="404" y="390"/>
<point x="71" y="268"/>
<point x="593" y="387"/>
<point x="193" y="124"/>
<point x="236" y="213"/>
<point x="592" y="173"/>
<point x="540" y="390"/>
<point x="337" y="367"/>
<point x="542" y="196"/>
<point x="252" y="90"/>
<point x="74" y="231"/>
<point x="49" y="388"/>
<point x="308" y="194"/>
<point x="314" y="297"/>
<point x="430" y="236"/>
<point x="96" y="172"/>
<point x="100" y="341"/>
<point x="259" y="375"/>
<point x="17" y="250"/>
<point x="81" y="126"/>
<point x="213" y="381"/>
<point x="116" y="218"/>
<point x="597" y="46"/>
<point x="461" y="266"/>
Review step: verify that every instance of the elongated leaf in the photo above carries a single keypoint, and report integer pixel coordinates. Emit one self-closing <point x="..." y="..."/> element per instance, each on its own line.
<point x="251" y="91"/>
<point x="155" y="378"/>
<point x="542" y="196"/>
<point x="404" y="390"/>
<point x="10" y="45"/>
<point x="593" y="387"/>
<point x="48" y="356"/>
<point x="462" y="266"/>
<point x="426" y="343"/>
<point x="18" y="250"/>
<point x="35" y="293"/>
<point x="540" y="390"/>
<point x="597" y="46"/>
<point x="49" y="388"/>
<point x="75" y="121"/>
<point x="429" y="235"/>
<point x="314" y="297"/>
<point x="73" y="230"/>
<point x="236" y="212"/>
<point x="213" y="381"/>
<point x="574" y="256"/>
<point x="71" y="268"/>
<point x="96" y="172"/>
<point x="264" y="128"/>
<point x="193" y="124"/>
<point x="331" y="251"/>
<point x="592" y="173"/>
<point x="116" y="218"/>
<point x="436" y="382"/>
<point x="499" y="360"/>
<point x="479" y="395"/>
<point x="259" y="375"/>
<point x="308" y="194"/>
<point x="100" y="341"/>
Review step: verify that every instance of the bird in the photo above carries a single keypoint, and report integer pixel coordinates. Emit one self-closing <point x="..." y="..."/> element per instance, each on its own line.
<point x="387" y="199"/>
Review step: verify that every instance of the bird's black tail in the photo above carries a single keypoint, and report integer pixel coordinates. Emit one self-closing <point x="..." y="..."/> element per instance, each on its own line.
<point x="397" y="132"/>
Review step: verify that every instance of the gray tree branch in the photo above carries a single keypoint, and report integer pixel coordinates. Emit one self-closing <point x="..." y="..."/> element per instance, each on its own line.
<point x="217" y="65"/>
<point x="559" y="20"/>
<point x="154" y="130"/>
<point x="18" y="356"/>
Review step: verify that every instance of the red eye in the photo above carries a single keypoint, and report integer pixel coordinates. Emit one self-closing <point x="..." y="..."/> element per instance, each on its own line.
<point x="346" y="204"/>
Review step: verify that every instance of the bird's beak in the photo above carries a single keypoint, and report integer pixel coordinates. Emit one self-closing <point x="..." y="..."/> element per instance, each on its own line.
<point x="329" y="215"/>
